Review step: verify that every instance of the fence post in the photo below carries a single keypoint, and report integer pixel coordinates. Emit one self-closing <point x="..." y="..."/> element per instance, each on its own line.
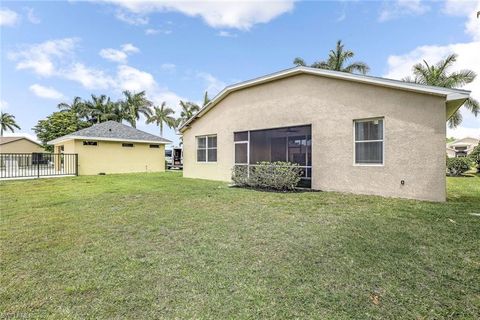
<point x="37" y="158"/>
<point x="76" y="164"/>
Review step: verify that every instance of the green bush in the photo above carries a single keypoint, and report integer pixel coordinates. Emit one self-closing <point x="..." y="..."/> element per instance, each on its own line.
<point x="457" y="166"/>
<point x="475" y="157"/>
<point x="268" y="175"/>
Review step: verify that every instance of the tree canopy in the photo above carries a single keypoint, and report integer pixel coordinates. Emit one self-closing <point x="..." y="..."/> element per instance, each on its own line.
<point x="58" y="124"/>
<point x="337" y="60"/>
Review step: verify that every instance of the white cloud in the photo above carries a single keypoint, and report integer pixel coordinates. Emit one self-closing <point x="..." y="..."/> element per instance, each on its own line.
<point x="8" y="17"/>
<point x="213" y="84"/>
<point x="468" y="9"/>
<point x="392" y="10"/>
<point x="44" y="58"/>
<point x="217" y="14"/>
<point x="400" y="66"/>
<point x="462" y="132"/>
<point x="88" y="77"/>
<point x="226" y="34"/>
<point x="129" y="48"/>
<point x="46" y="92"/>
<point x="3" y="105"/>
<point x="119" y="56"/>
<point x="151" y="31"/>
<point x="133" y="19"/>
<point x="113" y="55"/>
<point x="55" y="58"/>
<point x="32" y="17"/>
<point x="129" y="78"/>
<point x="170" y="67"/>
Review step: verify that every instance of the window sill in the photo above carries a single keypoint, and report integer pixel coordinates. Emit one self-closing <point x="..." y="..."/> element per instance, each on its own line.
<point x="368" y="165"/>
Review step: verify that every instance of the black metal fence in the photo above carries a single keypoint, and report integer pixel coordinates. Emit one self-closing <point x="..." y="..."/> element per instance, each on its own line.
<point x="18" y="165"/>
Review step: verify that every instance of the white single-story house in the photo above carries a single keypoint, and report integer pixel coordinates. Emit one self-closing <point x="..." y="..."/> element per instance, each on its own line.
<point x="349" y="132"/>
<point x="461" y="147"/>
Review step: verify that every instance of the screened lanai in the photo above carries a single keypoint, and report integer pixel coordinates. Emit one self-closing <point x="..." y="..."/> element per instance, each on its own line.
<point x="289" y="144"/>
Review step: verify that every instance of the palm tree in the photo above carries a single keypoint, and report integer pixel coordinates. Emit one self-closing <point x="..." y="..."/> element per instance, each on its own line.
<point x="7" y="122"/>
<point x="98" y="109"/>
<point x="77" y="106"/>
<point x="438" y="75"/>
<point x="136" y="104"/>
<point x="336" y="61"/>
<point x="117" y="111"/>
<point x="161" y="115"/>
<point x="188" y="110"/>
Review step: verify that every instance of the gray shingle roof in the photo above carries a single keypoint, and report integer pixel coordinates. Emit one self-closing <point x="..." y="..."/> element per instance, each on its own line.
<point x="114" y="131"/>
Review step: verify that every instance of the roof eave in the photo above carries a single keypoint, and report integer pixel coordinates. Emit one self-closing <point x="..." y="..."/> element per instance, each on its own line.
<point x="63" y="139"/>
<point x="453" y="102"/>
<point x="449" y="94"/>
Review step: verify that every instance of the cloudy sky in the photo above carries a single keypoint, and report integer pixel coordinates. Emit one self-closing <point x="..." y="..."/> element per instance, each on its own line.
<point x="53" y="50"/>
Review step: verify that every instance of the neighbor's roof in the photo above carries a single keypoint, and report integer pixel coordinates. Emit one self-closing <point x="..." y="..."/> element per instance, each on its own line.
<point x="112" y="131"/>
<point x="5" y="140"/>
<point x="454" y="97"/>
<point x="464" y="141"/>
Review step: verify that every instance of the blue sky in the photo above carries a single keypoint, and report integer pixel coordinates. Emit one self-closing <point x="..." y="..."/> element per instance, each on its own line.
<point x="53" y="51"/>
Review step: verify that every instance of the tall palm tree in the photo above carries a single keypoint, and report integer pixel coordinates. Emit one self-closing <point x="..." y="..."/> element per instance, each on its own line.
<point x="117" y="111"/>
<point x="161" y="115"/>
<point x="98" y="108"/>
<point x="337" y="59"/>
<point x="438" y="75"/>
<point x="136" y="104"/>
<point x="7" y="122"/>
<point x="77" y="106"/>
<point x="188" y="110"/>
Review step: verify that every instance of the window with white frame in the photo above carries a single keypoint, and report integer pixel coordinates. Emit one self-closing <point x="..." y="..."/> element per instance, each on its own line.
<point x="207" y="148"/>
<point x="241" y="147"/>
<point x="369" y="141"/>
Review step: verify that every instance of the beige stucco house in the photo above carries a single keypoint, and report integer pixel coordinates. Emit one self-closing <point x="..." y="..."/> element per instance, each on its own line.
<point x="19" y="145"/>
<point x="461" y="147"/>
<point x="112" y="147"/>
<point x="350" y="133"/>
<point x="22" y="147"/>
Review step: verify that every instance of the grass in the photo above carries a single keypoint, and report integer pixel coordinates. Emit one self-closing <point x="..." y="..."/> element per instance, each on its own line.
<point x="160" y="246"/>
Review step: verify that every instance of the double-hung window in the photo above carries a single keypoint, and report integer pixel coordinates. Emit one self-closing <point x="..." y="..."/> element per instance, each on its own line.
<point x="207" y="148"/>
<point x="369" y="141"/>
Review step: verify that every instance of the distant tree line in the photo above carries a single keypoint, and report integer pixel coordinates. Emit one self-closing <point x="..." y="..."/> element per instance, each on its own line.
<point x="82" y="113"/>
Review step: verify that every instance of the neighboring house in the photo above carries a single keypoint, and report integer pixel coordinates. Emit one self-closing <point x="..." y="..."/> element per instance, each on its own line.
<point x="461" y="147"/>
<point x="19" y="145"/>
<point x="350" y="133"/>
<point x="112" y="147"/>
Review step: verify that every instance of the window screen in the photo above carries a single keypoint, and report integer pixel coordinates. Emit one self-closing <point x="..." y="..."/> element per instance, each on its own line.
<point x="369" y="141"/>
<point x="207" y="148"/>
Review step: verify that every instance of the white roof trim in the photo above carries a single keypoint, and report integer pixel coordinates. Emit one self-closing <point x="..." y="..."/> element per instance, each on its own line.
<point x="67" y="138"/>
<point x="449" y="94"/>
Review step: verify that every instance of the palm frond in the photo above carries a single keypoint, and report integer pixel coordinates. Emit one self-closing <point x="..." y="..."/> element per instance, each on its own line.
<point x="299" y="62"/>
<point x="455" y="119"/>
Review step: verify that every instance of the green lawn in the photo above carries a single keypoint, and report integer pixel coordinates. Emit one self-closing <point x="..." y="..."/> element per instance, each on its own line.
<point x="160" y="246"/>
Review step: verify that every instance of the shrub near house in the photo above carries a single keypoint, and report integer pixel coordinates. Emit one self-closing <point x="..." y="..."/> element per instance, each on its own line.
<point x="458" y="166"/>
<point x="268" y="175"/>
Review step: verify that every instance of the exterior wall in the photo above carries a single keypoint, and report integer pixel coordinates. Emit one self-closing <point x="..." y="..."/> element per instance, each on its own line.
<point x="111" y="157"/>
<point x="330" y="106"/>
<point x="21" y="146"/>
